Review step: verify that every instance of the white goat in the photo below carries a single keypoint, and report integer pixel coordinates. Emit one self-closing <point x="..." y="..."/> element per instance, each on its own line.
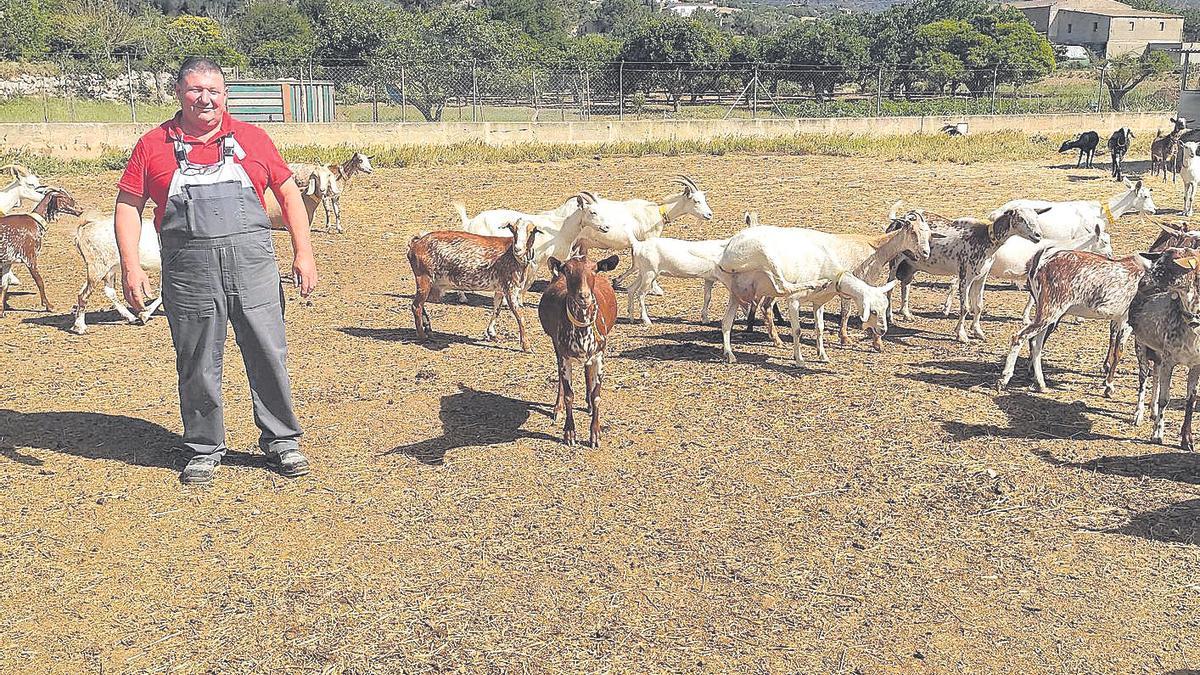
<point x="1190" y="173"/>
<point x="663" y="256"/>
<point x="312" y="197"/>
<point x="645" y="219"/>
<point x="96" y="241"/>
<point x="313" y="181"/>
<point x="801" y="265"/>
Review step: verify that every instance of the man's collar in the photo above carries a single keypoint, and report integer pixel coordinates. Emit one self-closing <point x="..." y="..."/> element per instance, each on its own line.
<point x="175" y="129"/>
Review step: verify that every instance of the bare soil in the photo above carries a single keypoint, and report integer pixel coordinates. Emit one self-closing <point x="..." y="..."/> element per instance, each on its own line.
<point x="878" y="513"/>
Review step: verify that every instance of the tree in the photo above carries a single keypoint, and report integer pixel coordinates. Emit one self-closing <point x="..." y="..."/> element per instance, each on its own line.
<point x="352" y="30"/>
<point x="1123" y="73"/>
<point x="954" y="52"/>
<point x="542" y="19"/>
<point x="202" y="36"/>
<point x="665" y="48"/>
<point x="274" y="35"/>
<point x="97" y="31"/>
<point x="438" y="50"/>
<point x="1024" y="54"/>
<point x="24" y="29"/>
<point x="619" y="17"/>
<point x="828" y="54"/>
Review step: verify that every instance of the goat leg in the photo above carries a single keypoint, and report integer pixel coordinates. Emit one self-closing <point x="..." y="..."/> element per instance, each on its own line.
<point x="592" y="378"/>
<point x="1145" y="375"/>
<point x="769" y="319"/>
<point x="41" y="285"/>
<point x="420" y="318"/>
<point x="793" y="305"/>
<point x="819" y="325"/>
<point x="514" y="304"/>
<point x="1162" y="398"/>
<point x="1185" y="434"/>
<point x="727" y="325"/>
<point x="568" y="400"/>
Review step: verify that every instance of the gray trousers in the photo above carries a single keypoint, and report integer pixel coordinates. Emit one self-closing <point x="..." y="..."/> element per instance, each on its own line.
<point x="208" y="284"/>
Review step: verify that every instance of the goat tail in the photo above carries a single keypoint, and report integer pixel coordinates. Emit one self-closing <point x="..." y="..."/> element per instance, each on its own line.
<point x="461" y="209"/>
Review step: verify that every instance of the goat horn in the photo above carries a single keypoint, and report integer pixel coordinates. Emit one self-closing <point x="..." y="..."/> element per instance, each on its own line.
<point x="686" y="182"/>
<point x="589" y="197"/>
<point x="895" y="210"/>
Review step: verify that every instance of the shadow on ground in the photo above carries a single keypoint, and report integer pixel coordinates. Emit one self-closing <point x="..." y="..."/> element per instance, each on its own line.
<point x="474" y="417"/>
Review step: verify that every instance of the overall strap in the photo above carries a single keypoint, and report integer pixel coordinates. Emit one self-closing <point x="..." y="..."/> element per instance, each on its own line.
<point x="228" y="149"/>
<point x="181" y="151"/>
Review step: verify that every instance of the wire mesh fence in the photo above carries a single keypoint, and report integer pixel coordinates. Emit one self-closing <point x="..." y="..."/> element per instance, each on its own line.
<point x="77" y="90"/>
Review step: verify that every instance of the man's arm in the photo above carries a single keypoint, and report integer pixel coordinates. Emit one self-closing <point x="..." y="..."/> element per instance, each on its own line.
<point x="295" y="219"/>
<point x="128" y="224"/>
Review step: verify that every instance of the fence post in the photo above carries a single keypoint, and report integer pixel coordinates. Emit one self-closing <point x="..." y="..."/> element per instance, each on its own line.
<point x="995" y="82"/>
<point x="403" y="97"/>
<point x="1100" y="89"/>
<point x="754" y="100"/>
<point x="375" y="100"/>
<point x="474" y="91"/>
<point x="587" y="96"/>
<point x="879" y="92"/>
<point x="621" y="91"/>
<point x="533" y="95"/>
<point x="129" y="74"/>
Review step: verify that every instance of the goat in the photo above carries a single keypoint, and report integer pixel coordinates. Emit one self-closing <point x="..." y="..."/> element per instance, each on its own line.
<point x="1166" y="328"/>
<point x="312" y="197"/>
<point x="1163" y="149"/>
<point x="310" y="179"/>
<point x="96" y="241"/>
<point x="24" y="185"/>
<point x="557" y="229"/>
<point x="644" y="219"/>
<point x="1189" y="172"/>
<point x="966" y="250"/>
<point x="21" y="237"/>
<point x="801" y="264"/>
<point x="465" y="261"/>
<point x="1079" y="283"/>
<point x="1086" y="145"/>
<point x="1070" y="224"/>
<point x="663" y="256"/>
<point x="1118" y="145"/>
<point x="577" y="310"/>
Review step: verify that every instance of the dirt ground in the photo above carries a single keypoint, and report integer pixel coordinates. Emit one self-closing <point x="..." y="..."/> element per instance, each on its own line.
<point x="878" y="513"/>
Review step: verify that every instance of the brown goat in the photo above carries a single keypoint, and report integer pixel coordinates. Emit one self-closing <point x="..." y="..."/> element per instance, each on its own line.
<point x="1164" y="150"/>
<point x="470" y="262"/>
<point x="577" y="311"/>
<point x="21" y="237"/>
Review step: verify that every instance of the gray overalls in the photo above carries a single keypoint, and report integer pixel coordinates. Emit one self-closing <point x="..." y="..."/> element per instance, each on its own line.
<point x="219" y="267"/>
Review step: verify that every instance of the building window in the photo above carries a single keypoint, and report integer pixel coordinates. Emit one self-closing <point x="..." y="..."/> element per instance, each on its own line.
<point x="1068" y="28"/>
<point x="1095" y="26"/>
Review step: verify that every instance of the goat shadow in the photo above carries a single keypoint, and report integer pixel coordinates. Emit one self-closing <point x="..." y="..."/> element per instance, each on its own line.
<point x="91" y="435"/>
<point x="1029" y="416"/>
<point x="1181" y="467"/>
<point x="437" y="340"/>
<point x="474" y="417"/>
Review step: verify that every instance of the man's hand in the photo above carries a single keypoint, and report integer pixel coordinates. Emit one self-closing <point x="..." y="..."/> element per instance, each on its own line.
<point x="137" y="288"/>
<point x="304" y="271"/>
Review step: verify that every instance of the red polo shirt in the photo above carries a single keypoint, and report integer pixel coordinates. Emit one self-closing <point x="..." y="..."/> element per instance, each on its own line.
<point x="152" y="163"/>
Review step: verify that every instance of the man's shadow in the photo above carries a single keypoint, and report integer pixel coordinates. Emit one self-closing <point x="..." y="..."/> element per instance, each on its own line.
<point x="86" y="434"/>
<point x="473" y="417"/>
<point x="93" y="435"/>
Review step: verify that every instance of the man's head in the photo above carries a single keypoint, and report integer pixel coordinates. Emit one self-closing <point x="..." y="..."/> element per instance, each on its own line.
<point x="200" y="88"/>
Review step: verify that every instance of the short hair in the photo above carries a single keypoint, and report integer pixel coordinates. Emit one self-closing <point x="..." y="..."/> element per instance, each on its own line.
<point x="197" y="64"/>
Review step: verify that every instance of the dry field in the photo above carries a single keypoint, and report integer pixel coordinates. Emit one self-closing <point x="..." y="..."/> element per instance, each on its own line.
<point x="879" y="513"/>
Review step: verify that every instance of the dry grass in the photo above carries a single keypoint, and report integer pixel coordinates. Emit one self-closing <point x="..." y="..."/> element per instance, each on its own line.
<point x="880" y="513"/>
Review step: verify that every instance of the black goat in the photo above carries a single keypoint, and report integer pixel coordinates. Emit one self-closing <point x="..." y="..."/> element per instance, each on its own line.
<point x="1118" y="145"/>
<point x="1085" y="144"/>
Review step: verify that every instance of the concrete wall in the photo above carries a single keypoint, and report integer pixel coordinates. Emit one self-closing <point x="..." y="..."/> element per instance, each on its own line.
<point x="83" y="140"/>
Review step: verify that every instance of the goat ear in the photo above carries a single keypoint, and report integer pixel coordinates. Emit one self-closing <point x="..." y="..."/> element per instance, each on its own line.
<point x="1099" y="229"/>
<point x="1128" y="183"/>
<point x="555" y="265"/>
<point x="608" y="264"/>
<point x="938" y="235"/>
<point x="1042" y="211"/>
<point x="886" y="288"/>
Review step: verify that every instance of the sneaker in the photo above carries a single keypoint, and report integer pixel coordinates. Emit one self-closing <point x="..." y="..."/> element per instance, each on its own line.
<point x="200" y="470"/>
<point x="289" y="463"/>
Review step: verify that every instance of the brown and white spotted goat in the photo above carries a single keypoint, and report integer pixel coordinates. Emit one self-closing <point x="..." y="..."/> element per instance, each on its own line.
<point x="1166" y="327"/>
<point x="21" y="237"/>
<point x="463" y="261"/>
<point x="577" y="311"/>
<point x="1085" y="284"/>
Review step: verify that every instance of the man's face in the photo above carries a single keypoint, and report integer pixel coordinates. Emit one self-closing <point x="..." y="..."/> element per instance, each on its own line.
<point x="202" y="97"/>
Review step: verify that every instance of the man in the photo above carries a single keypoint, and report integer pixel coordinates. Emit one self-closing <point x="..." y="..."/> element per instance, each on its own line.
<point x="207" y="174"/>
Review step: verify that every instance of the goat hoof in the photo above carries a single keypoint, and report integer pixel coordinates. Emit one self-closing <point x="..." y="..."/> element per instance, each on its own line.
<point x="78" y="330"/>
<point x="526" y="348"/>
<point x="1186" y="445"/>
<point x="729" y="358"/>
<point x="569" y="439"/>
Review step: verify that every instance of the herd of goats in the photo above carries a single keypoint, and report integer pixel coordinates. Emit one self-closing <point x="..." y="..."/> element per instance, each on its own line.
<point x="1061" y="251"/>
